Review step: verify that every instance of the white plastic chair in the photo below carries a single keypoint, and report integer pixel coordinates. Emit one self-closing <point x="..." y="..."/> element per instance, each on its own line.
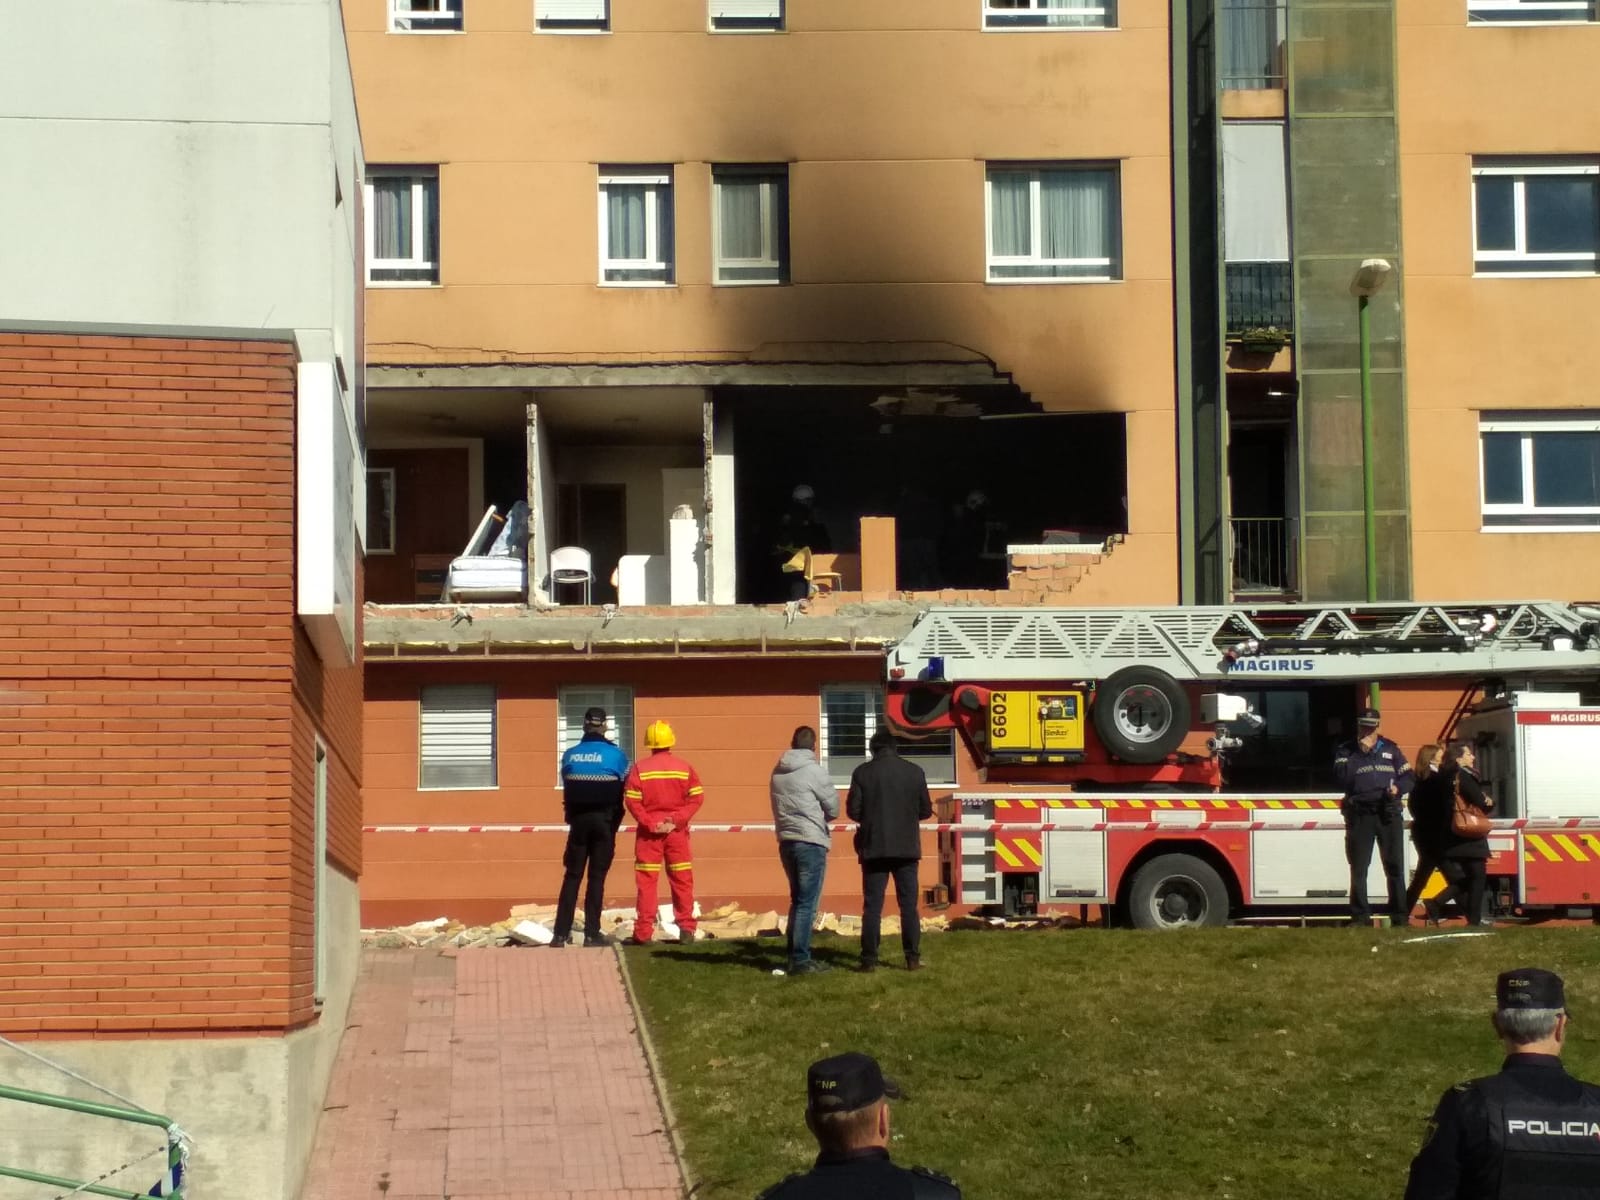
<point x="571" y="564"/>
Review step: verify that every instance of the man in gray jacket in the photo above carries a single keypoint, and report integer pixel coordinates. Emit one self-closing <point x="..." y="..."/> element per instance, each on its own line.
<point x="804" y="803"/>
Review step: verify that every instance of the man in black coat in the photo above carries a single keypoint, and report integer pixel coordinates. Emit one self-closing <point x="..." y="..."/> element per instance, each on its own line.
<point x="1532" y="1132"/>
<point x="888" y="796"/>
<point x="847" y="1110"/>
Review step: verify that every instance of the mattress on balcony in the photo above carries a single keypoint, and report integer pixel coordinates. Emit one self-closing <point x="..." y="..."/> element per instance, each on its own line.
<point x="483" y="575"/>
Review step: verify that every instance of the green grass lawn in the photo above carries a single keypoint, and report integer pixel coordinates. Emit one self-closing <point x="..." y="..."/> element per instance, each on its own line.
<point x="1253" y="1064"/>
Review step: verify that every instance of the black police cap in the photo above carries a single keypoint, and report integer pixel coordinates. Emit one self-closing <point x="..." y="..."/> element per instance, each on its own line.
<point x="847" y="1082"/>
<point x="1369" y="716"/>
<point x="595" y="716"/>
<point x="1529" y="987"/>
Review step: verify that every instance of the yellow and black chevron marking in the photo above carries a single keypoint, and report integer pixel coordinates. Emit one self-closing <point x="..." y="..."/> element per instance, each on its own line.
<point x="1198" y="803"/>
<point x="1017" y="850"/>
<point x="1560" y="847"/>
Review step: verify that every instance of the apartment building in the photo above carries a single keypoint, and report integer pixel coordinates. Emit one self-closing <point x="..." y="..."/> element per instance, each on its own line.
<point x="632" y="260"/>
<point x="180" y="724"/>
<point x="1086" y="264"/>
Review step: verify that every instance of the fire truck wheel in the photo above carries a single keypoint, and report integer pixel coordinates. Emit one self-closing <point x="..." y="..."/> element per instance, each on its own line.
<point x="1177" y="891"/>
<point x="1141" y="714"/>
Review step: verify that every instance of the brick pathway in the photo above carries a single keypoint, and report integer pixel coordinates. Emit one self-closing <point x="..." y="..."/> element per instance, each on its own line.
<point x="509" y="1074"/>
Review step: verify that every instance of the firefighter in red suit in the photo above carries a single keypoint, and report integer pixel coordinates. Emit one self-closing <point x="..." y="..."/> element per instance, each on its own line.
<point x="662" y="793"/>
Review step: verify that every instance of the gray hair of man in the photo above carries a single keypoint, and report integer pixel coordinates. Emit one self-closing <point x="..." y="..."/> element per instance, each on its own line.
<point x="1526" y="1025"/>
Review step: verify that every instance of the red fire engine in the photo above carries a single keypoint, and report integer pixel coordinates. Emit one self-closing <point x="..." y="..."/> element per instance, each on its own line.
<point x="1076" y="717"/>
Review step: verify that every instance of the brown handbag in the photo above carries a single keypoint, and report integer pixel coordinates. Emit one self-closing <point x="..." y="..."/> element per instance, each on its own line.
<point x="1468" y="820"/>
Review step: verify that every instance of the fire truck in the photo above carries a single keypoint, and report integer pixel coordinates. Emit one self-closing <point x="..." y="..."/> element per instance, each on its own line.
<point x="1104" y="739"/>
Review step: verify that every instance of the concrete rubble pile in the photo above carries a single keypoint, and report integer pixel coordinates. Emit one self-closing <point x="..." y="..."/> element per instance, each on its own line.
<point x="531" y="925"/>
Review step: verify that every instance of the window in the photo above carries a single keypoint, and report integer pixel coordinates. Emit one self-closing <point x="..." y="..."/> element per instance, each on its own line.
<point x="1541" y="471"/>
<point x="1049" y="14"/>
<point x="1535" y="217"/>
<point x="380" y="510"/>
<point x="733" y="16"/>
<point x="425" y="16"/>
<point x="573" y="702"/>
<point x="571" y="16"/>
<point x="403" y="225"/>
<point x="1529" y="12"/>
<point x="1054" y="223"/>
<point x="850" y="716"/>
<point x="636" y="225"/>
<point x="750" y="224"/>
<point x="458" y="737"/>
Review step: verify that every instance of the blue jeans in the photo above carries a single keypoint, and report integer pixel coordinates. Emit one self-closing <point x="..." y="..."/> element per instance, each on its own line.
<point x="805" y="864"/>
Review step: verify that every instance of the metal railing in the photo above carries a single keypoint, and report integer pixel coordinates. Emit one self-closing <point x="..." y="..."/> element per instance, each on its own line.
<point x="1260" y="296"/>
<point x="1250" y="44"/>
<point x="172" y="1186"/>
<point x="1264" y="552"/>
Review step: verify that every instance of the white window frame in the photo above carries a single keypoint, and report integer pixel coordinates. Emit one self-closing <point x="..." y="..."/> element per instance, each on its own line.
<point x="774" y="182"/>
<point x="745" y="16"/>
<point x="1537" y="263"/>
<point x="445" y="17"/>
<point x="463" y="700"/>
<point x="572" y="16"/>
<point x="1529" y="427"/>
<point x="654" y="180"/>
<point x="1112" y="264"/>
<point x="872" y="694"/>
<point x="421" y="177"/>
<point x="571" y="702"/>
<point x="375" y="487"/>
<point x="1530" y="12"/>
<point x="1034" y="17"/>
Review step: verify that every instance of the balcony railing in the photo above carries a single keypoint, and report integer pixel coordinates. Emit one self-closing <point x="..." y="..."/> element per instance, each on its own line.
<point x="1250" y="43"/>
<point x="1260" y="296"/>
<point x="1265" y="552"/>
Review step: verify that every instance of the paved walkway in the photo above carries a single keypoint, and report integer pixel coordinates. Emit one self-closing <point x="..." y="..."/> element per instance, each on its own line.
<point x="511" y="1074"/>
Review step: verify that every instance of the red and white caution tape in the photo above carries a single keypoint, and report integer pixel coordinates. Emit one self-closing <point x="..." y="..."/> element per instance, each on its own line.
<point x="991" y="827"/>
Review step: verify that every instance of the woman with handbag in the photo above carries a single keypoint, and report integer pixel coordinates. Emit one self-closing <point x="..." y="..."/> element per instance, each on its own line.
<point x="1430" y="805"/>
<point x="1466" y="849"/>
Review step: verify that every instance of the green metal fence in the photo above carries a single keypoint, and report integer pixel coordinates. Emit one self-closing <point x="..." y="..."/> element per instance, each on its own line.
<point x="96" y="1187"/>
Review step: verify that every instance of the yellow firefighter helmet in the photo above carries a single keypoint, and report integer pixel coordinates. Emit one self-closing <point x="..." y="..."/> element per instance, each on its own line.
<point x="658" y="735"/>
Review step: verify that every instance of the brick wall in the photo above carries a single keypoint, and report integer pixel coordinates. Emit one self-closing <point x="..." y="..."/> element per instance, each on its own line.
<point x="148" y="686"/>
<point x="732" y="717"/>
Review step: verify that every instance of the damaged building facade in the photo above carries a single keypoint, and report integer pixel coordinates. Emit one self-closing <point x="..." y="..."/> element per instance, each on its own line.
<point x="648" y="269"/>
<point x="180" y="686"/>
<point x="1040" y="301"/>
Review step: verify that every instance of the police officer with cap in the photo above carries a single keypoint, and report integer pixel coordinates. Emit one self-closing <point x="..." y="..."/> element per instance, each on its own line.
<point x="848" y="1113"/>
<point x="1531" y="1132"/>
<point x="1375" y="776"/>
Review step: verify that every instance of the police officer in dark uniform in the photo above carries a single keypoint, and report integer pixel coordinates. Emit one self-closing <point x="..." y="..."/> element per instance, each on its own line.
<point x="1376" y="777"/>
<point x="592" y="774"/>
<point x="847" y="1111"/>
<point x="1531" y="1132"/>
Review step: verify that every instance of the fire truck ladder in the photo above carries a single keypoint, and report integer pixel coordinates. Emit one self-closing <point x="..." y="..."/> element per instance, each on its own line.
<point x="1358" y="642"/>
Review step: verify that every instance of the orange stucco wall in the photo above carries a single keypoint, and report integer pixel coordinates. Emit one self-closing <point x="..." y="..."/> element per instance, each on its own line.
<point x="732" y="718"/>
<point x="1475" y="344"/>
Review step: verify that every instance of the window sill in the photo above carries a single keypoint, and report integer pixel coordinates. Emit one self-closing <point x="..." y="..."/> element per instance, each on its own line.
<point x="493" y="787"/>
<point x="403" y="283"/>
<point x="1539" y="528"/>
<point x="575" y="31"/>
<point x="424" y="32"/>
<point x="1052" y="29"/>
<point x="1050" y="280"/>
<point x="1524" y="22"/>
<point x="744" y="283"/>
<point x="1536" y="274"/>
<point x="636" y="283"/>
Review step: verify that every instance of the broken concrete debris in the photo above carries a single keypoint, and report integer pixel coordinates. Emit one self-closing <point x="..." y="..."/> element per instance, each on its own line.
<point x="533" y="925"/>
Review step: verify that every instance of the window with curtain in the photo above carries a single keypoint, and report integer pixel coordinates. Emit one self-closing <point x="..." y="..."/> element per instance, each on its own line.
<point x="851" y="713"/>
<point x="1054" y="223"/>
<point x="458" y="737"/>
<point x="750" y="217"/>
<point x="571" y="16"/>
<point x="636" y="225"/>
<point x="1529" y="12"/>
<point x="1536" y="216"/>
<point x="573" y="702"/>
<point x="402" y="233"/>
<point x="1049" y="14"/>
<point x="1540" y="471"/>
<point x="425" y="16"/>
